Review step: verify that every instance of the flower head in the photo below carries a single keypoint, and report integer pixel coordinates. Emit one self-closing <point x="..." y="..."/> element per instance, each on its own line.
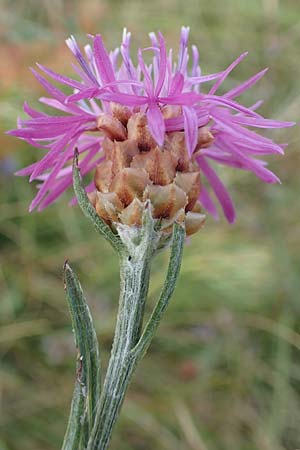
<point x="145" y="128"/>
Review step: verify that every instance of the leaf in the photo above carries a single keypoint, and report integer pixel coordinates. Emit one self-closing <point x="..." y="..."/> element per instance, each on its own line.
<point x="87" y="386"/>
<point x="88" y="209"/>
<point x="74" y="430"/>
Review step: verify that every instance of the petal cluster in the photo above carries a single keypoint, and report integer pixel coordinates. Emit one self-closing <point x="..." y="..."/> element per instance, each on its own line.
<point x="169" y="92"/>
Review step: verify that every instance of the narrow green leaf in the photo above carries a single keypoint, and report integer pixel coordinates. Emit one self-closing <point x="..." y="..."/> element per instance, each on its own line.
<point x="73" y="435"/>
<point x="88" y="370"/>
<point x="168" y="288"/>
<point x="89" y="211"/>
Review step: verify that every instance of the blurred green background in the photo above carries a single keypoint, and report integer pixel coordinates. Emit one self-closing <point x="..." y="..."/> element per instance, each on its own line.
<point x="223" y="372"/>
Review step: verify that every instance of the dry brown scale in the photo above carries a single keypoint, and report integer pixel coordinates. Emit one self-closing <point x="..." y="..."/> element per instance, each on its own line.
<point x="136" y="169"/>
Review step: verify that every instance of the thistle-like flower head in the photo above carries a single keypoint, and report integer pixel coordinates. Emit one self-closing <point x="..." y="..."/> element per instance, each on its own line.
<point x="149" y="131"/>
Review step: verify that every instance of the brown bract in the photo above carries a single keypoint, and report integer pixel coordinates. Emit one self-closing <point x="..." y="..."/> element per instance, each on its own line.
<point x="136" y="169"/>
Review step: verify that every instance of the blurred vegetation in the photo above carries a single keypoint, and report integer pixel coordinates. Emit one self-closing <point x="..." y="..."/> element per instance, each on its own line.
<point x="223" y="372"/>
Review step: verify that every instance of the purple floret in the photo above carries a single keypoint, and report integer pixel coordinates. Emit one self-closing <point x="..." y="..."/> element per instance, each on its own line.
<point x="149" y="88"/>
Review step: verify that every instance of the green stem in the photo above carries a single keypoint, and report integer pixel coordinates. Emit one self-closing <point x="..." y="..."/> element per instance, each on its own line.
<point x="116" y="380"/>
<point x="126" y="350"/>
<point x="167" y="291"/>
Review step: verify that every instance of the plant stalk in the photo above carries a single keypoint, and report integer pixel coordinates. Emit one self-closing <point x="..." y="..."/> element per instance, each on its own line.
<point x="129" y="347"/>
<point x="134" y="280"/>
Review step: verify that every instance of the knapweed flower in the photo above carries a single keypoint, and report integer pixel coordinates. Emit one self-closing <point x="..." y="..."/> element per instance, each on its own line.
<point x="149" y="130"/>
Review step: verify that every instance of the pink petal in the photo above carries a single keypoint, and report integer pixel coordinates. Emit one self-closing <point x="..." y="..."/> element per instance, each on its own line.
<point x="235" y="92"/>
<point x="177" y="123"/>
<point x="103" y="62"/>
<point x="176" y="85"/>
<point x="147" y="78"/>
<point x="207" y="203"/>
<point x="57" y="121"/>
<point x="60" y="185"/>
<point x="56" y="105"/>
<point x="162" y="64"/>
<point x="196" y="71"/>
<point x="204" y="78"/>
<point x="261" y="122"/>
<point x="60" y="78"/>
<point x="125" y="52"/>
<point x="259" y="143"/>
<point x="73" y="46"/>
<point x="156" y="56"/>
<point x="182" y="55"/>
<point x="227" y="72"/>
<point x="185" y="98"/>
<point x="229" y="103"/>
<point x="83" y="94"/>
<point x="53" y="91"/>
<point x="251" y="164"/>
<point x="26" y="170"/>
<point x="222" y="158"/>
<point x="156" y="123"/>
<point x="32" y="112"/>
<point x="51" y="155"/>
<point x="124" y="99"/>
<point x="50" y="179"/>
<point x="56" y="93"/>
<point x="190" y="128"/>
<point x="218" y="188"/>
<point x="35" y="133"/>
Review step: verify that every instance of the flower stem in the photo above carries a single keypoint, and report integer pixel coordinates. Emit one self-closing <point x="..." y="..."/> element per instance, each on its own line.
<point x="121" y="363"/>
<point x="128" y="347"/>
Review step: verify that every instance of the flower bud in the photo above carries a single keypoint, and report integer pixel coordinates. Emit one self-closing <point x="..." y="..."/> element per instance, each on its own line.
<point x="136" y="170"/>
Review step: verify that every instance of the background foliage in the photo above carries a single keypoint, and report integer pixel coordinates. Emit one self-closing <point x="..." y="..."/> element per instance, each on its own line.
<point x="223" y="372"/>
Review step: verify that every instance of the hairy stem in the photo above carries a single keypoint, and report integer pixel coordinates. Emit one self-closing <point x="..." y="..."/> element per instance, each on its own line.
<point x="129" y="347"/>
<point x="132" y="289"/>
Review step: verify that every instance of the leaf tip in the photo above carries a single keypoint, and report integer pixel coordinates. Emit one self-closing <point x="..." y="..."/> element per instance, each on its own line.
<point x="66" y="269"/>
<point x="76" y="155"/>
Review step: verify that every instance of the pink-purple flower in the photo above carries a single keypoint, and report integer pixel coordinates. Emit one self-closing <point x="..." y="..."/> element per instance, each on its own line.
<point x="113" y="77"/>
